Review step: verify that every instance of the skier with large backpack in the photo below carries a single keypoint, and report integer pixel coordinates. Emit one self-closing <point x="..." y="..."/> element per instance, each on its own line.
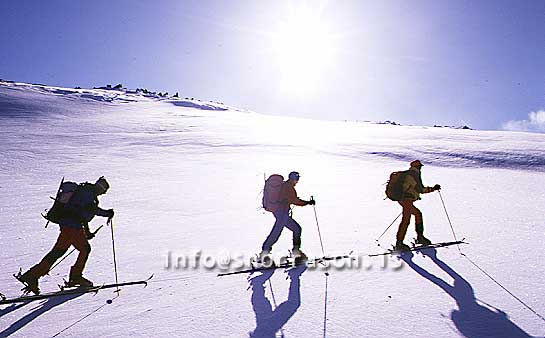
<point x="74" y="207"/>
<point x="405" y="187"/>
<point x="278" y="196"/>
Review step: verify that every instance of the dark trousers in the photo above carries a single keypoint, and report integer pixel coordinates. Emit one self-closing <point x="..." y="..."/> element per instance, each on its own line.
<point x="283" y="219"/>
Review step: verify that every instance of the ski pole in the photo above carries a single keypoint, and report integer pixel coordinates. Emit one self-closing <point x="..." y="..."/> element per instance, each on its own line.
<point x="448" y="218"/>
<point x="395" y="219"/>
<point x="66" y="256"/>
<point x="111" y="223"/>
<point x="318" y="226"/>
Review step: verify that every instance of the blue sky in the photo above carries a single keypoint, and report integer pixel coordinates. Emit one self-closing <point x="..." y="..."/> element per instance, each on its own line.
<point x="479" y="63"/>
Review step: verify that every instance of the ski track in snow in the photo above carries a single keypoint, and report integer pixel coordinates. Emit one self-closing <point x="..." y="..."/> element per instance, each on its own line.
<point x="186" y="175"/>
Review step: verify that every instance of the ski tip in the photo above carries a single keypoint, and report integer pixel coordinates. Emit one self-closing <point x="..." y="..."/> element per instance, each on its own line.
<point x="148" y="279"/>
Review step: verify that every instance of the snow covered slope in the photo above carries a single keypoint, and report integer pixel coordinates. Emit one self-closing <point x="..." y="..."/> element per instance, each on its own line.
<point x="186" y="177"/>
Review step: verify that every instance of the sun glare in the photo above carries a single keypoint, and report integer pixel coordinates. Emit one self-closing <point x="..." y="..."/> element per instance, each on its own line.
<point x="303" y="50"/>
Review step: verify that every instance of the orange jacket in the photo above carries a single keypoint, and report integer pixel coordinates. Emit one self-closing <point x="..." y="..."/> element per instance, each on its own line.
<point x="288" y="195"/>
<point x="413" y="187"/>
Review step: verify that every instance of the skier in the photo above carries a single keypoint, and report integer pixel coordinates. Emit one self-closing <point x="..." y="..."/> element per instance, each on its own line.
<point x="288" y="196"/>
<point x="74" y="230"/>
<point x="412" y="188"/>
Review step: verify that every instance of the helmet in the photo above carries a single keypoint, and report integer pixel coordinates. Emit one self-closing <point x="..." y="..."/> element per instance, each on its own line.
<point x="416" y="164"/>
<point x="294" y="176"/>
<point x="102" y="184"/>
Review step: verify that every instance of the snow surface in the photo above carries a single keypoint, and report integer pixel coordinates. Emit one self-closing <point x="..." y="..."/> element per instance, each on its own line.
<point x="186" y="176"/>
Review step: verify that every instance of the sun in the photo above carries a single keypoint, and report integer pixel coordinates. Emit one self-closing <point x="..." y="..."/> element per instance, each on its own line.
<point x="303" y="50"/>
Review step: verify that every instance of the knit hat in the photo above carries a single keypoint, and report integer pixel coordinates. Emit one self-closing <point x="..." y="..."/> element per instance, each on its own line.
<point x="102" y="184"/>
<point x="294" y="176"/>
<point x="416" y="164"/>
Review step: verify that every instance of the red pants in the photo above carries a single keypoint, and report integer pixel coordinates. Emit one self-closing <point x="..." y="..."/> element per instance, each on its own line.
<point x="67" y="237"/>
<point x="408" y="210"/>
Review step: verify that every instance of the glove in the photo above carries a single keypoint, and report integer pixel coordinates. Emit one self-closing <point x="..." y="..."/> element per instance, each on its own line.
<point x="110" y="213"/>
<point x="436" y="187"/>
<point x="88" y="233"/>
<point x="311" y="202"/>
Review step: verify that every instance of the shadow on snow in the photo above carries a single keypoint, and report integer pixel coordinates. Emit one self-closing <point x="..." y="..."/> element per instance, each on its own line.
<point x="38" y="311"/>
<point x="270" y="320"/>
<point x="201" y="106"/>
<point x="472" y="319"/>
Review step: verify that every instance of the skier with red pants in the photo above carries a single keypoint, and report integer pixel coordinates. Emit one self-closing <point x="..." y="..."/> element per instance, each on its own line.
<point x="74" y="230"/>
<point x="412" y="188"/>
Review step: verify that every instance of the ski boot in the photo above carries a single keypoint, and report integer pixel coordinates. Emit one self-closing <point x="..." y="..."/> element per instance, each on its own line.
<point x="263" y="258"/>
<point x="400" y="246"/>
<point x="30" y="281"/>
<point x="298" y="255"/>
<point x="77" y="280"/>
<point x="421" y="240"/>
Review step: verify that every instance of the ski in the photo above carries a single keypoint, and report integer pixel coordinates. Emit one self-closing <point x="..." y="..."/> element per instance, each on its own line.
<point x="71" y="291"/>
<point x="419" y="248"/>
<point x="287" y="265"/>
<point x="29" y="298"/>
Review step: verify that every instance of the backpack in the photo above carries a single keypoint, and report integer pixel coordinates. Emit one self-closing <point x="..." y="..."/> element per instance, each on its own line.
<point x="394" y="186"/>
<point x="271" y="192"/>
<point x="58" y="211"/>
